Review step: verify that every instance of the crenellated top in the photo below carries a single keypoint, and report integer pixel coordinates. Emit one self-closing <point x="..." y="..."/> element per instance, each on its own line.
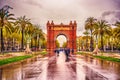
<point x="73" y="23"/>
<point x="52" y="23"/>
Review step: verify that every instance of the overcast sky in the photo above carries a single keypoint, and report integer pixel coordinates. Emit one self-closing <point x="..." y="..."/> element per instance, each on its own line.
<point x="40" y="11"/>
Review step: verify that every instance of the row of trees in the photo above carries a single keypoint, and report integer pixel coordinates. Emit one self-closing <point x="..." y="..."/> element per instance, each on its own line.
<point x="20" y="29"/>
<point x="101" y="34"/>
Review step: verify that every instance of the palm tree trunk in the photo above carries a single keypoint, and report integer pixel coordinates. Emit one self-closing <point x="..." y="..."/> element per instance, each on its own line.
<point x="36" y="44"/>
<point x="2" y="43"/>
<point x="96" y="50"/>
<point x="31" y="43"/>
<point x="87" y="43"/>
<point x="102" y="42"/>
<point x="22" y="45"/>
<point x="13" y="43"/>
<point x="38" y="40"/>
<point x="96" y="39"/>
<point x="112" y="45"/>
<point x="91" y="42"/>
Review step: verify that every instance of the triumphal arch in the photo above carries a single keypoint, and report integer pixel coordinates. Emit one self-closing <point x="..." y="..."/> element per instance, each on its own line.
<point x="54" y="30"/>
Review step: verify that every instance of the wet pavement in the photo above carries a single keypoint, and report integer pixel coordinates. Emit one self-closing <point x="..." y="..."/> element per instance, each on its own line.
<point x="55" y="68"/>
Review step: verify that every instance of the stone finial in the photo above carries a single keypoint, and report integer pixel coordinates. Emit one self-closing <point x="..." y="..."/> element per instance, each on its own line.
<point x="48" y="23"/>
<point x="61" y="24"/>
<point x="70" y="22"/>
<point x="52" y="22"/>
<point x="75" y="22"/>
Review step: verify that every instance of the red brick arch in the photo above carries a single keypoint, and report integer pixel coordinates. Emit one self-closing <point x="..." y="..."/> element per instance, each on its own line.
<point x="54" y="30"/>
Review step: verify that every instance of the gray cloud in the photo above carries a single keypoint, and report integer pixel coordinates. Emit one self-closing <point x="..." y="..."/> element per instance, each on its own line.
<point x="117" y="15"/>
<point x="107" y="13"/>
<point x="40" y="11"/>
<point x="117" y="4"/>
<point x="111" y="16"/>
<point x="1" y="3"/>
<point x="33" y="3"/>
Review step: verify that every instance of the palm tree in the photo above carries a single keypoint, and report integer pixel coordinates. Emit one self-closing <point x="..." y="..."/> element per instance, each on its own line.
<point x="38" y="35"/>
<point x="96" y="34"/>
<point x="8" y="34"/>
<point x="22" y="22"/>
<point x="5" y="16"/>
<point x="103" y="29"/>
<point x="86" y="33"/>
<point x="29" y="30"/>
<point x="89" y="25"/>
<point x="117" y="34"/>
<point x="117" y="29"/>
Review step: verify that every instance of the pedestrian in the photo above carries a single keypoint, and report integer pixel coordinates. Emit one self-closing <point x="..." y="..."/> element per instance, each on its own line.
<point x="72" y="51"/>
<point x="67" y="52"/>
<point x="57" y="52"/>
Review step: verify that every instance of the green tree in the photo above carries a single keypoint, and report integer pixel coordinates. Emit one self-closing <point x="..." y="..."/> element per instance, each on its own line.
<point x="43" y="44"/>
<point x="86" y="33"/>
<point x="57" y="44"/>
<point x="89" y="25"/>
<point x="116" y="32"/>
<point x="22" y="22"/>
<point x="64" y="44"/>
<point x="9" y="34"/>
<point x="96" y="32"/>
<point x="103" y="29"/>
<point x="30" y="32"/>
<point x="5" y="17"/>
<point x="38" y="35"/>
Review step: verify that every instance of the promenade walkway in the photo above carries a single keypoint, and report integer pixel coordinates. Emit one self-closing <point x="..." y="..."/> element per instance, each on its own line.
<point x="55" y="68"/>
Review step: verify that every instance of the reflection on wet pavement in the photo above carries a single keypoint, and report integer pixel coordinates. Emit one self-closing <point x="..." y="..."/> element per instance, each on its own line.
<point x="60" y="70"/>
<point x="55" y="68"/>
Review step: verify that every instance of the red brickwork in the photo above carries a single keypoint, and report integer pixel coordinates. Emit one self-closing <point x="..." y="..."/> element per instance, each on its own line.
<point x="54" y="30"/>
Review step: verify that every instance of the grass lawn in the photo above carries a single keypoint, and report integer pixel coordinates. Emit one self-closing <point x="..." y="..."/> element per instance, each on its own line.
<point x="108" y="58"/>
<point x="13" y="59"/>
<point x="18" y="58"/>
<point x="80" y="53"/>
<point x="43" y="53"/>
<point x="101" y="57"/>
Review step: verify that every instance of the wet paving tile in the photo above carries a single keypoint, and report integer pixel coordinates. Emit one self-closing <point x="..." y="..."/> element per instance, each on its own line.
<point x="55" y="68"/>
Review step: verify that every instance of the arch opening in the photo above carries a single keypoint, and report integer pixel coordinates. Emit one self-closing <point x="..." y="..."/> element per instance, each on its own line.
<point x="61" y="41"/>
